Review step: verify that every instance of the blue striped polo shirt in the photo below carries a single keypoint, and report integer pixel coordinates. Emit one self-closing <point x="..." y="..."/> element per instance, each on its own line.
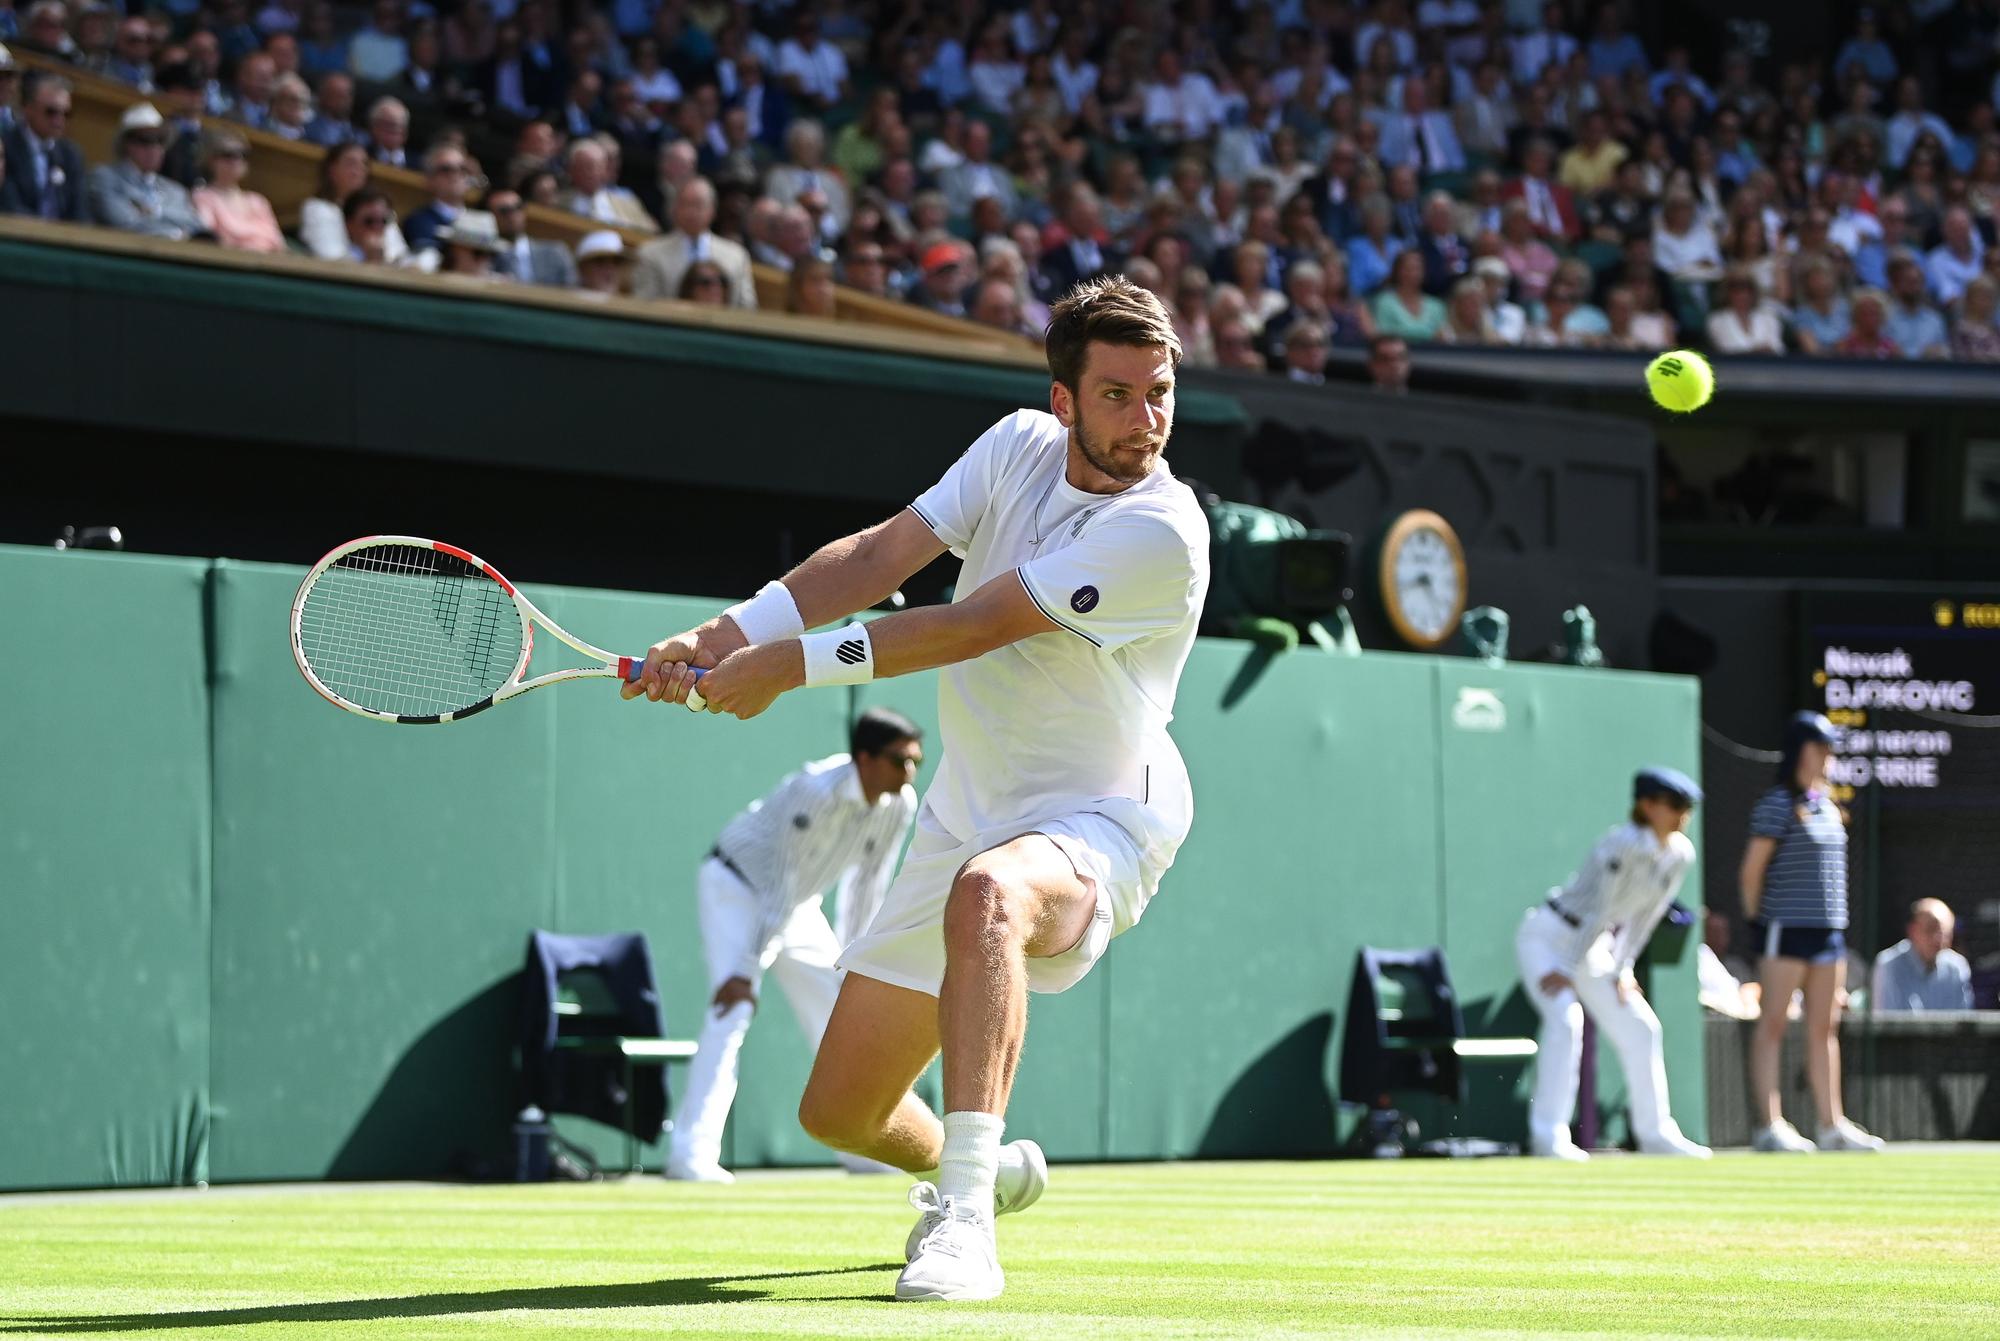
<point x="1806" y="882"/>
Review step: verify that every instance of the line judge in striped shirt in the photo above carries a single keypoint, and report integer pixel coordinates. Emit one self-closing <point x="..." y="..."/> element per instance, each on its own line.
<point x="840" y="820"/>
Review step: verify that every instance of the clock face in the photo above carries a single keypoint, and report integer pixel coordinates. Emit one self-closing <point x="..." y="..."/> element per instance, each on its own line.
<point x="1424" y="578"/>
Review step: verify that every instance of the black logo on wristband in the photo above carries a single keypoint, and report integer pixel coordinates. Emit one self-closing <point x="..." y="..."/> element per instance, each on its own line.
<point x="851" y="653"/>
<point x="1083" y="600"/>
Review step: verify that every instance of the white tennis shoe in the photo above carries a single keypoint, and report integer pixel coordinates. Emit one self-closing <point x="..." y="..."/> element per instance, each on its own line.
<point x="695" y="1171"/>
<point x="1781" y="1137"/>
<point x="1019" y="1186"/>
<point x="1671" y="1142"/>
<point x="1845" y="1135"/>
<point x="1565" y="1149"/>
<point x="957" y="1258"/>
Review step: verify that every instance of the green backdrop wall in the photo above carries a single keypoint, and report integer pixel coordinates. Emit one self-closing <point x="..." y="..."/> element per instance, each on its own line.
<point x="251" y="937"/>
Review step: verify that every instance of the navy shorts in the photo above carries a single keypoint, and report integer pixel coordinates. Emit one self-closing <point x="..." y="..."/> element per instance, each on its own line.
<point x="1815" y="945"/>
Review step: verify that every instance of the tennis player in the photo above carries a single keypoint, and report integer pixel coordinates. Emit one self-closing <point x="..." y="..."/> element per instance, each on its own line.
<point x="1059" y="799"/>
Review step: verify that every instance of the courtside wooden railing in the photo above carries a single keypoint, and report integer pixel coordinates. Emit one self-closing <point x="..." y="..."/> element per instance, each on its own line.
<point x="668" y="312"/>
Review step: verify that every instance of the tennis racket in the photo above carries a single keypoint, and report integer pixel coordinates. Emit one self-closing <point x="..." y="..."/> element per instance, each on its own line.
<point x="417" y="631"/>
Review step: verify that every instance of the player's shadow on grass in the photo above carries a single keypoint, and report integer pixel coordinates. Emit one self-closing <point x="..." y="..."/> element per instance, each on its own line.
<point x="633" y="1294"/>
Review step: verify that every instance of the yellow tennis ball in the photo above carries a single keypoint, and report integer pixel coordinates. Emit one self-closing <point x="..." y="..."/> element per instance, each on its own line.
<point x="1680" y="380"/>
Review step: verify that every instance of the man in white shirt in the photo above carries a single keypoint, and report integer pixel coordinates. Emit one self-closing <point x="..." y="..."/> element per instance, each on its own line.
<point x="1957" y="260"/>
<point x="1546" y="45"/>
<point x="842" y="819"/>
<point x="812" y="70"/>
<point x="595" y="193"/>
<point x="1181" y="105"/>
<point x="1922" y="971"/>
<point x="1059" y="801"/>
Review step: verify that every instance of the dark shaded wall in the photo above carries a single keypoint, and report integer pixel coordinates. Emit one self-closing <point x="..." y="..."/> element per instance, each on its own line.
<point x="1554" y="508"/>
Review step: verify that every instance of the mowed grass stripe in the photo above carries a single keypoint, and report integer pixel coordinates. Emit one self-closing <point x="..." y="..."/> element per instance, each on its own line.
<point x="1904" y="1245"/>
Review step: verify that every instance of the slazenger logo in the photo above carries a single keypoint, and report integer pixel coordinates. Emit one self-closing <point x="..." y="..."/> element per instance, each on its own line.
<point x="1478" y="710"/>
<point x="1083" y="600"/>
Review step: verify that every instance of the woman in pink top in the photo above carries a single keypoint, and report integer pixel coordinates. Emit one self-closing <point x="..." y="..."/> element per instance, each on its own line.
<point x="238" y="218"/>
<point x="1528" y="258"/>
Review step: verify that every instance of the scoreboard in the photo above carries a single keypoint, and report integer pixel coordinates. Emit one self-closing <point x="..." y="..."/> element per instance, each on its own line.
<point x="1898" y="673"/>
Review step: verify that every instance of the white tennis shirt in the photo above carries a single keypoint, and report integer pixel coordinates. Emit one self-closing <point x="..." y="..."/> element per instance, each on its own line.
<point x="1074" y="719"/>
<point x="812" y="830"/>
<point x="1624" y="886"/>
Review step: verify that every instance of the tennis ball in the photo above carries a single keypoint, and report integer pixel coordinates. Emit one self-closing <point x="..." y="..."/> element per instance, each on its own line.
<point x="1680" y="380"/>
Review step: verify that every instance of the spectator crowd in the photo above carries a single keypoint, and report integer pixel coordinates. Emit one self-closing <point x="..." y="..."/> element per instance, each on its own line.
<point x="1289" y="176"/>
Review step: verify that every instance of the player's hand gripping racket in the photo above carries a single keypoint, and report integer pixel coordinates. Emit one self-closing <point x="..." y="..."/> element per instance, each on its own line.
<point x="418" y="631"/>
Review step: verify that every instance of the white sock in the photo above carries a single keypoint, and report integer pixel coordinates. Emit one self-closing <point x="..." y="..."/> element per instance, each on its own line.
<point x="971" y="1160"/>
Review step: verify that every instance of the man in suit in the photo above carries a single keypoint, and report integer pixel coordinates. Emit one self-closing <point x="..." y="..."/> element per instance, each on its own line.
<point x="1406" y="204"/>
<point x="449" y="177"/>
<point x="1419" y="136"/>
<point x="523" y="78"/>
<point x="333" y="122"/>
<point x="131" y="194"/>
<point x="522" y="258"/>
<point x="1084" y="254"/>
<point x="45" y="173"/>
<point x="389" y="132"/>
<point x="1447" y="256"/>
<point x="1551" y="207"/>
<point x="662" y="262"/>
<point x="254" y="77"/>
<point x="179" y="93"/>
<point x="1335" y="197"/>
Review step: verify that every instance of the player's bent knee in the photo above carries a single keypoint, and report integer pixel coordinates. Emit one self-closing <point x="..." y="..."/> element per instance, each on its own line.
<point x="981" y="908"/>
<point x="832" y="1123"/>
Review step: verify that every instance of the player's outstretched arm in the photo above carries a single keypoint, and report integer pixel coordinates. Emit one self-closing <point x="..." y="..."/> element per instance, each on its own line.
<point x="842" y="577"/>
<point x="999" y="613"/>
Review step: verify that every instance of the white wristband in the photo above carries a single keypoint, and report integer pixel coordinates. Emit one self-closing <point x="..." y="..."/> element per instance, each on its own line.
<point x="839" y="656"/>
<point x="771" y="616"/>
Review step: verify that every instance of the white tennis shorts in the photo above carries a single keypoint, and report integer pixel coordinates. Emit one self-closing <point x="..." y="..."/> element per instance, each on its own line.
<point x="904" y="944"/>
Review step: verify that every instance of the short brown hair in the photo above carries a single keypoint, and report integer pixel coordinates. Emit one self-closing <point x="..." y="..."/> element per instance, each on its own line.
<point x="1110" y="310"/>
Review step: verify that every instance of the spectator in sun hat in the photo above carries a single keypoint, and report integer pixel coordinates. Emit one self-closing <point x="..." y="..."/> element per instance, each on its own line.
<point x="130" y="193"/>
<point x="601" y="263"/>
<point x="468" y="245"/>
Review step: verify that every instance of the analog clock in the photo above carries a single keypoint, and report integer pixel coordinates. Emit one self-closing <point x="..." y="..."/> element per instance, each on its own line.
<point x="1422" y="575"/>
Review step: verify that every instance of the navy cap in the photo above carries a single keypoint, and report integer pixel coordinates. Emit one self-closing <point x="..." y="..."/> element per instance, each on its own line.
<point x="1809" y="725"/>
<point x="1670" y="782"/>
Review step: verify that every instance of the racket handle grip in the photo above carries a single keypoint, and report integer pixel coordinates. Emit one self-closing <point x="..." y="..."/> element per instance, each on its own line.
<point x="633" y="667"/>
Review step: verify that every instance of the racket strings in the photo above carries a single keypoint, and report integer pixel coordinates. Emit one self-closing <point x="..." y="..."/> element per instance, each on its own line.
<point x="409" y="630"/>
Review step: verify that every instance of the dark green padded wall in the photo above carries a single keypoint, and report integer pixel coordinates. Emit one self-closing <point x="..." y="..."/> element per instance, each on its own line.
<point x="104" y="870"/>
<point x="372" y="886"/>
